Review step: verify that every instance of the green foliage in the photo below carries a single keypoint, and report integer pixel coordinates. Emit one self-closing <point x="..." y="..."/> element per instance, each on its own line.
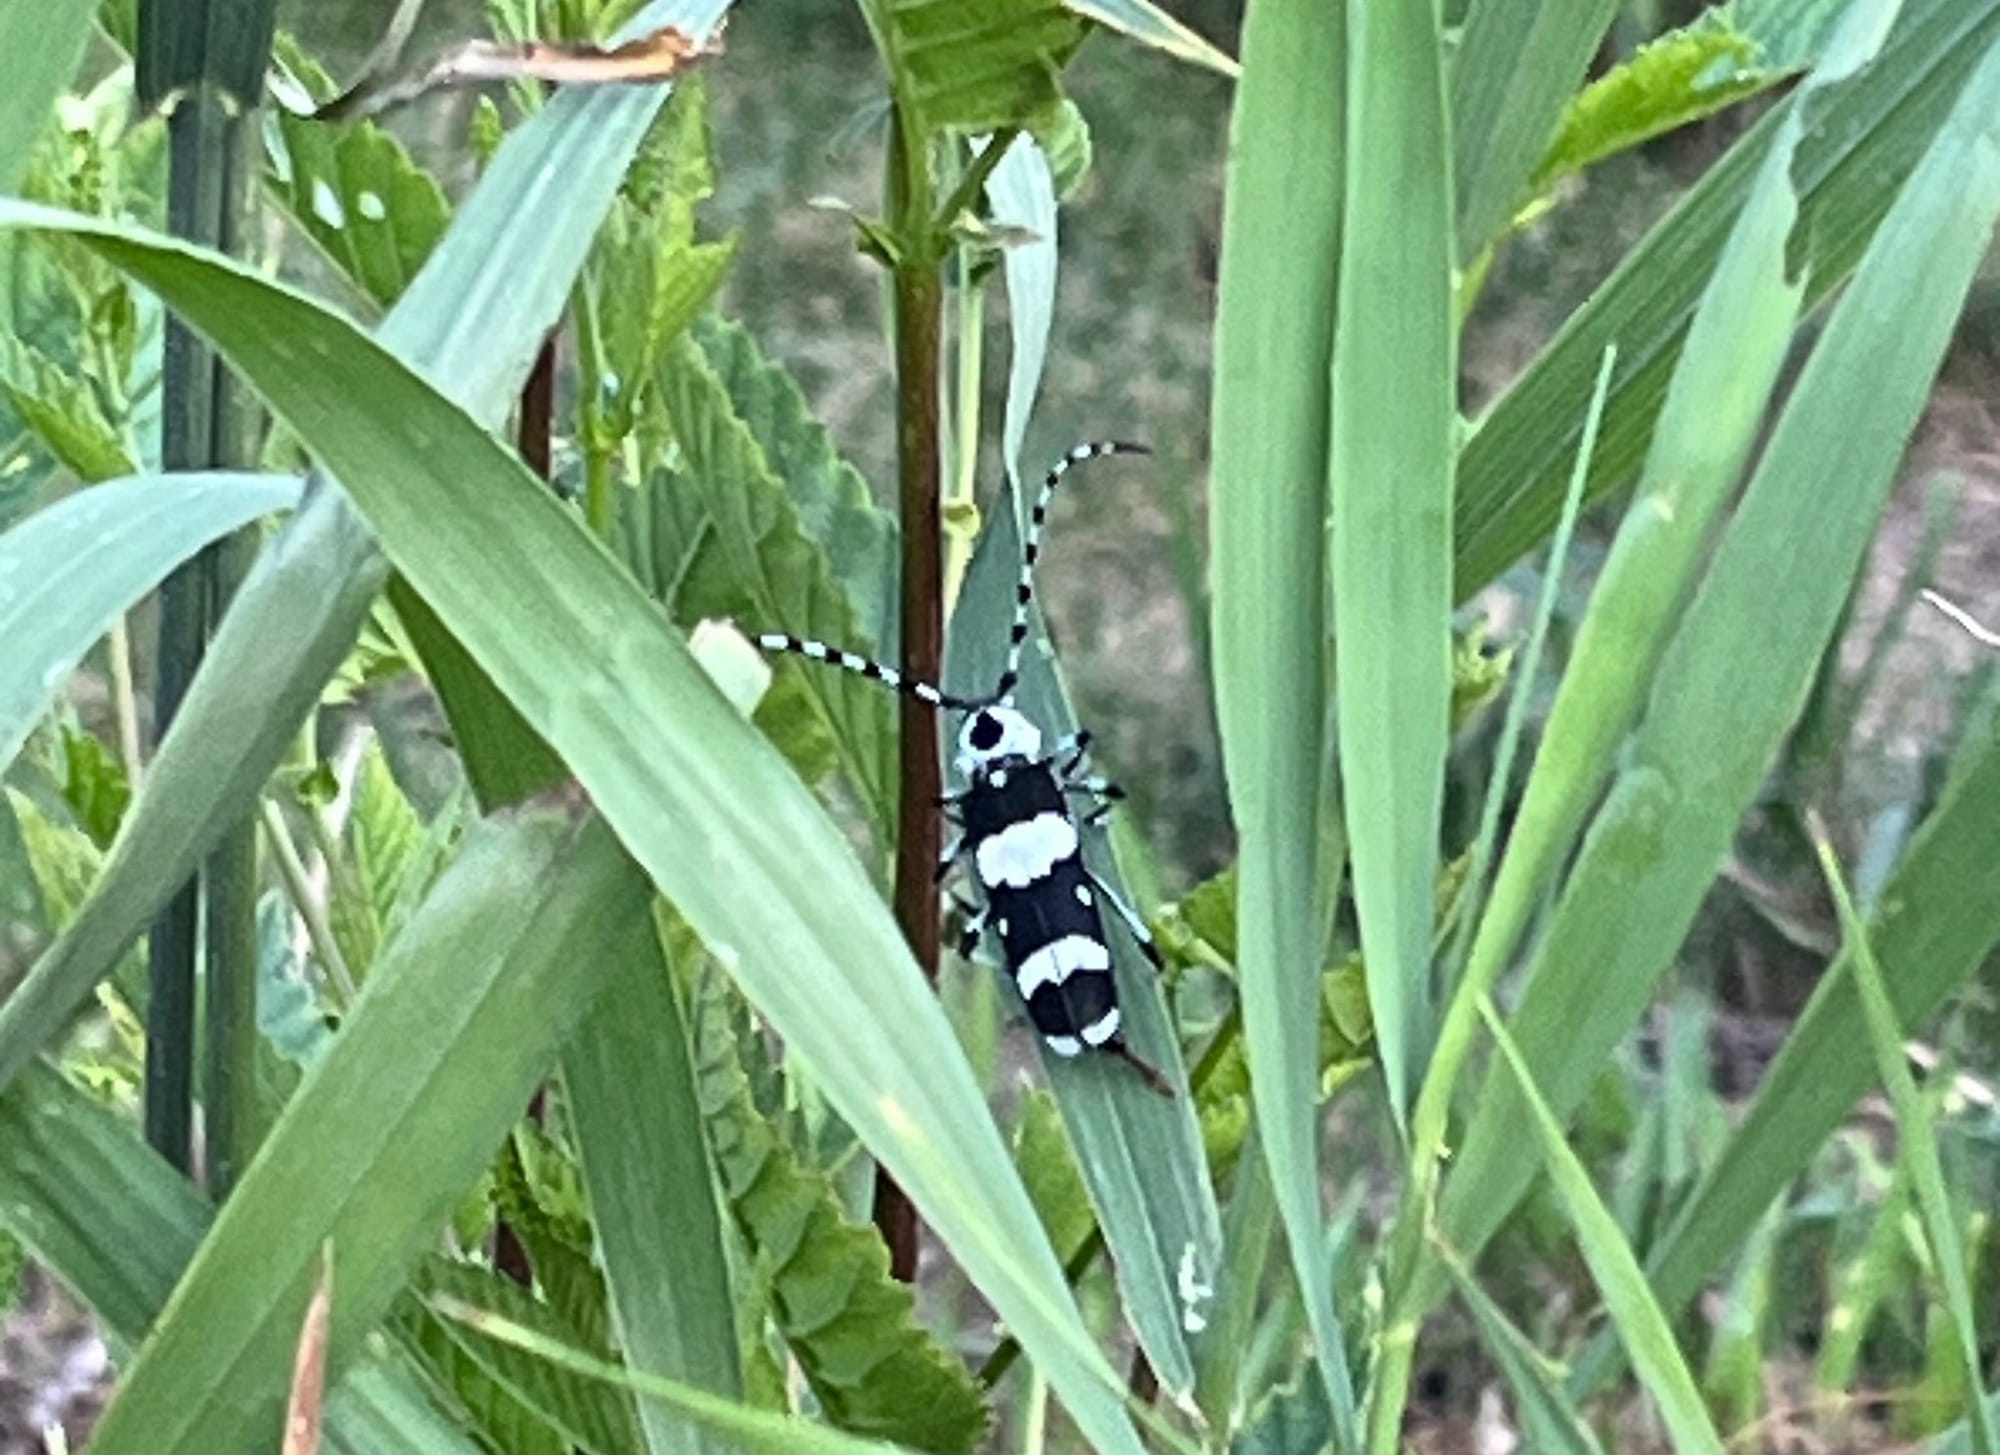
<point x="976" y="65"/>
<point x="722" y="493"/>
<point x="522" y="1402"/>
<point x="847" y="1322"/>
<point x="353" y="189"/>
<point x="1680" y="77"/>
<point x="753" y="556"/>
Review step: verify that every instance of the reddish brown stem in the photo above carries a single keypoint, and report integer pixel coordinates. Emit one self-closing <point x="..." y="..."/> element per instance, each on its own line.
<point x="919" y="310"/>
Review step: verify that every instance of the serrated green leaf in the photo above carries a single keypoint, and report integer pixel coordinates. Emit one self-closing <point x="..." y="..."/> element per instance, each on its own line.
<point x="94" y="785"/>
<point x="834" y="503"/>
<point x="386" y="839"/>
<point x="1293" y="1419"/>
<point x="579" y="1412"/>
<point x="352" y="189"/>
<point x="977" y="65"/>
<point x="63" y="412"/>
<point x="1681" y="77"/>
<point x="65" y="863"/>
<point x="496" y="1415"/>
<point x="649" y="278"/>
<point x="763" y="568"/>
<point x="849" y="1324"/>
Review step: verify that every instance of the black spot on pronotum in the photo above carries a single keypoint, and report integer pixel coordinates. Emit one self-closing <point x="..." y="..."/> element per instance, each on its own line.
<point x="985" y="732"/>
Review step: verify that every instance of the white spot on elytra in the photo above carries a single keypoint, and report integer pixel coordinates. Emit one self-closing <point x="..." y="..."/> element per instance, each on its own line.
<point x="1083" y="895"/>
<point x="1056" y="961"/>
<point x="1064" y="1045"/>
<point x="1023" y="853"/>
<point x="326" y="204"/>
<point x="1103" y="1028"/>
<point x="1194" y="1292"/>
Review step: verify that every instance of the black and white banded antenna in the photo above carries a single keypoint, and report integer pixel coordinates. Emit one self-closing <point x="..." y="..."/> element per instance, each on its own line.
<point x="1024" y="595"/>
<point x="1031" y="548"/>
<point x="868" y="667"/>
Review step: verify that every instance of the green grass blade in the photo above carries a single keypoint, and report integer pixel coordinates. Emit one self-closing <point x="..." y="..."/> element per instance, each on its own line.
<point x="630" y="1091"/>
<point x="1855" y="155"/>
<point x="1393" y="431"/>
<point x="77" y="566"/>
<point x="706" y="805"/>
<point x="1641" y="1325"/>
<point x="43" y="44"/>
<point x="1917" y="1135"/>
<point x="737" y="1426"/>
<point x="1772" y="599"/>
<point x="474" y="320"/>
<point x="1150" y="25"/>
<point x="1937" y="919"/>
<point x="1713" y="411"/>
<point x="1267" y="528"/>
<point x="1517" y="65"/>
<point x="1140" y="1153"/>
<point x="1023" y="195"/>
<point x="1548" y="1419"/>
<point x="387" y="1132"/>
<point x="117" y="1225"/>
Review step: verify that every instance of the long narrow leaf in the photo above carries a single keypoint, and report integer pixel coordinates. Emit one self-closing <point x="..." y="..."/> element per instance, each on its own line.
<point x="43" y="44"/>
<point x="1918" y="1135"/>
<point x="630" y="1090"/>
<point x="1517" y="64"/>
<point x="1855" y="154"/>
<point x="1395" y="379"/>
<point x="388" y="1129"/>
<point x="703" y="803"/>
<point x="474" y="320"/>
<point x="1641" y="1325"/>
<point x="117" y="1225"/>
<point x="1772" y="599"/>
<point x="1140" y="1153"/>
<point x="68" y="572"/>
<point x="1273" y="352"/>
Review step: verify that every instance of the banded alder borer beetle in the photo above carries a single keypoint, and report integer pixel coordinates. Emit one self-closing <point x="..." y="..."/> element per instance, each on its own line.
<point x="1017" y="825"/>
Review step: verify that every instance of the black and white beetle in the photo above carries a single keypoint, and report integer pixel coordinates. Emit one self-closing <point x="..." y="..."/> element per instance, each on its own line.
<point x="1017" y="829"/>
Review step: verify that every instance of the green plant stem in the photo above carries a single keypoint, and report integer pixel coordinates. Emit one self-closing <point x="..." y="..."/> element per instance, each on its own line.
<point x="125" y="704"/>
<point x="966" y="193"/>
<point x="919" y="295"/>
<point x="961" y="508"/>
<point x="298" y="888"/>
<point x="196" y="140"/>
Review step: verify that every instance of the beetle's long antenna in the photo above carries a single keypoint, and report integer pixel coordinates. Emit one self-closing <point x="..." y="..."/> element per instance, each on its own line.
<point x="1031" y="547"/>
